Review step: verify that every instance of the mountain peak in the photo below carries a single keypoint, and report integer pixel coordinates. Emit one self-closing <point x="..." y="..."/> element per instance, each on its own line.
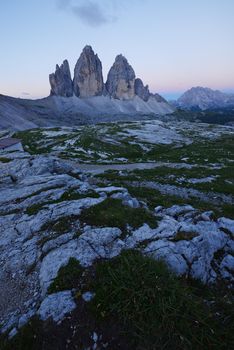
<point x="60" y="81"/>
<point x="88" y="48"/>
<point x="204" y="98"/>
<point x="121" y="79"/>
<point x="88" y="79"/>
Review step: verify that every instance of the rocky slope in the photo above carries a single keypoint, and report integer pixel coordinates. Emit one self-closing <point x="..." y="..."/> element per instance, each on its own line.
<point x="20" y="114"/>
<point x="48" y="208"/>
<point x="204" y="98"/>
<point x="34" y="249"/>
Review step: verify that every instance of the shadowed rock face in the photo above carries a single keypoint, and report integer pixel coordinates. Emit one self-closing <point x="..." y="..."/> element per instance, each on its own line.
<point x="141" y="90"/>
<point x="121" y="79"/>
<point x="158" y="98"/>
<point x="88" y="79"/>
<point x="60" y="81"/>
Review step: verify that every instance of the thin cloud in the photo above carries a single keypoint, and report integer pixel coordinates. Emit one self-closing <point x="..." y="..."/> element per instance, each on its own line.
<point x="63" y="4"/>
<point x="90" y="12"/>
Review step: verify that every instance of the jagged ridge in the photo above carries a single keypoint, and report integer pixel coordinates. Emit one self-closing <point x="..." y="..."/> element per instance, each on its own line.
<point x="204" y="98"/>
<point x="121" y="81"/>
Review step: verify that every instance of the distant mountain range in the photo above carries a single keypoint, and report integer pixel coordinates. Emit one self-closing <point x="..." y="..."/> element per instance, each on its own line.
<point x="85" y="98"/>
<point x="199" y="98"/>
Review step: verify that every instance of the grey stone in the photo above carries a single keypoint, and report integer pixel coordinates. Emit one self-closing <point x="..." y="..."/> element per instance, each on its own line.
<point x="88" y="296"/>
<point x="121" y="80"/>
<point x="158" y="209"/>
<point x="176" y="210"/>
<point x="92" y="244"/>
<point x="25" y="318"/>
<point x="28" y="266"/>
<point x="88" y="79"/>
<point x="127" y="199"/>
<point x="207" y="216"/>
<point x="164" y="250"/>
<point x="141" y="90"/>
<point x="56" y="306"/>
<point x="10" y="322"/>
<point x="12" y="333"/>
<point x="60" y="81"/>
<point x="227" y="267"/>
<point x="227" y="224"/>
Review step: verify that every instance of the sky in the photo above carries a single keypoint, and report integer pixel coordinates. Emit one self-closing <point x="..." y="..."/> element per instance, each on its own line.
<point x="172" y="45"/>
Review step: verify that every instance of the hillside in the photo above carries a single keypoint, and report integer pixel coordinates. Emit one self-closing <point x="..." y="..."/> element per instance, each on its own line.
<point x="111" y="233"/>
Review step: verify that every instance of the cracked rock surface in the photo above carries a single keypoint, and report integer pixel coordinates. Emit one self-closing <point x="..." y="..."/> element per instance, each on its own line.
<point x="34" y="245"/>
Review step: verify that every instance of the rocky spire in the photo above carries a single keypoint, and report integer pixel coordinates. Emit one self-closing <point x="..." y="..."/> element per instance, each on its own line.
<point x="88" y="79"/>
<point x="141" y="90"/>
<point x="60" y="81"/>
<point x="120" y="80"/>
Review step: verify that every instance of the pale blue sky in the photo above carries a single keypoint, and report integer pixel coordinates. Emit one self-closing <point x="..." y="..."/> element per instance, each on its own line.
<point x="171" y="44"/>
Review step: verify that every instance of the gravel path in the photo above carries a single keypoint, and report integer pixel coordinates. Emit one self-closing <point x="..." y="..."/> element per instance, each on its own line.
<point x="101" y="168"/>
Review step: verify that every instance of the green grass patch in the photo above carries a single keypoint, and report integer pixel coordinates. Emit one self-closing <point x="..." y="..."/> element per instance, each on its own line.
<point x="113" y="213"/>
<point x="67" y="278"/>
<point x="153" y="197"/>
<point x="156" y="309"/>
<point x="32" y="141"/>
<point x="74" y="195"/>
<point x="60" y="226"/>
<point x="223" y="183"/>
<point x="201" y="151"/>
<point x="35" y="208"/>
<point x="5" y="160"/>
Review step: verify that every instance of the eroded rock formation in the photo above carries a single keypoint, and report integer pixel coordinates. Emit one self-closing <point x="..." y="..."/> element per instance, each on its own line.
<point x="141" y="90"/>
<point x="121" y="82"/>
<point x="121" y="79"/>
<point x="88" y="79"/>
<point x="60" y="81"/>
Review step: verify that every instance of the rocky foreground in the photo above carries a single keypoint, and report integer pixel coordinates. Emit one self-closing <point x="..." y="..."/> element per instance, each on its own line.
<point x="45" y="220"/>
